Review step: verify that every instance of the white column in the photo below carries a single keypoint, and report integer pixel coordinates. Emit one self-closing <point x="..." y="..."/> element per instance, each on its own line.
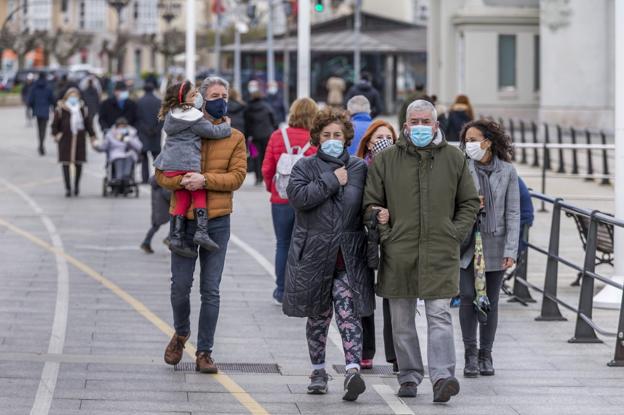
<point x="270" y="52"/>
<point x="303" y="49"/>
<point x="190" y="40"/>
<point x="611" y="297"/>
<point x="357" y="28"/>
<point x="237" y="60"/>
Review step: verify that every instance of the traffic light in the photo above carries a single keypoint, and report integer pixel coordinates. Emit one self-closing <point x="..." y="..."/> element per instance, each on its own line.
<point x="319" y="6"/>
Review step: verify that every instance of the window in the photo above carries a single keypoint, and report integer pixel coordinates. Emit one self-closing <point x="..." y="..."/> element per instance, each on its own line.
<point x="536" y="63"/>
<point x="507" y="62"/>
<point x="95" y="12"/>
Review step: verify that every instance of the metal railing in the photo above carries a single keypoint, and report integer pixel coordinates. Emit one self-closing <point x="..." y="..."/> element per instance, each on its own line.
<point x="586" y="328"/>
<point x="534" y="143"/>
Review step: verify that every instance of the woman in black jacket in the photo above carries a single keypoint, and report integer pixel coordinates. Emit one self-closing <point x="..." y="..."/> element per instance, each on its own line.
<point x="327" y="259"/>
<point x="259" y="125"/>
<point x="236" y="111"/>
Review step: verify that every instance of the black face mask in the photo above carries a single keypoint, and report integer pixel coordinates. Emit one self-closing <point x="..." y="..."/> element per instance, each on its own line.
<point x="217" y="108"/>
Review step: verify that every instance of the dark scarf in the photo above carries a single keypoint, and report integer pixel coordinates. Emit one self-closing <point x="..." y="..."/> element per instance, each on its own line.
<point x="488" y="224"/>
<point x="342" y="160"/>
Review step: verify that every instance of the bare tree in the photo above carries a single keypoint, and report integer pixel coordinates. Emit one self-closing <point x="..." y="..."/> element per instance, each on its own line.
<point x="25" y="42"/>
<point x="115" y="51"/>
<point x="172" y="43"/>
<point x="7" y="40"/>
<point x="64" y="45"/>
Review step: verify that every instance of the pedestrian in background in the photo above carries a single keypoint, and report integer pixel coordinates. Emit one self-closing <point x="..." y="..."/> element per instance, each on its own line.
<point x="460" y="113"/>
<point x="276" y="101"/>
<point x="359" y="110"/>
<point x="161" y="198"/>
<point x="149" y="128"/>
<point x="365" y="87"/>
<point x="70" y="126"/>
<point x="297" y="135"/>
<point x="260" y="123"/>
<point x="236" y="110"/>
<point x="489" y="150"/>
<point x="336" y="87"/>
<point x="41" y="101"/>
<point x="325" y="264"/>
<point x="91" y="95"/>
<point x="24" y="93"/>
<point x="427" y="203"/>
<point x="119" y="105"/>
<point x="378" y="137"/>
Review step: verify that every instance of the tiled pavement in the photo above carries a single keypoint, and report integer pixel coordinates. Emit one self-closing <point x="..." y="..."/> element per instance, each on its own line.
<point x="112" y="356"/>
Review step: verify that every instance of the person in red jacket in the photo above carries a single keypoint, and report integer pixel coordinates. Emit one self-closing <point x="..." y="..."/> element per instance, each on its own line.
<point x="300" y="117"/>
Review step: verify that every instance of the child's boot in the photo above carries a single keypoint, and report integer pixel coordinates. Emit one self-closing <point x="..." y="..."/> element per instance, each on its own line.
<point x="177" y="245"/>
<point x="202" y="238"/>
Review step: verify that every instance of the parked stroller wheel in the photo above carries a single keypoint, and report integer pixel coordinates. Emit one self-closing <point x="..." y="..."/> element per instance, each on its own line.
<point x="105" y="187"/>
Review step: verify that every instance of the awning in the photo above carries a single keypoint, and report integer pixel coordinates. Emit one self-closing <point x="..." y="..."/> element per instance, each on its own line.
<point x="399" y="41"/>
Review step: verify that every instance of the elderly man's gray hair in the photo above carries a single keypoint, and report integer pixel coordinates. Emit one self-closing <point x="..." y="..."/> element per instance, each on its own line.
<point x="421" y="105"/>
<point x="210" y="81"/>
<point x="357" y="104"/>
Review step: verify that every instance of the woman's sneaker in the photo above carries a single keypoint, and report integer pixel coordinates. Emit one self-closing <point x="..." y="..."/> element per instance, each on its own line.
<point x="318" y="382"/>
<point x="354" y="385"/>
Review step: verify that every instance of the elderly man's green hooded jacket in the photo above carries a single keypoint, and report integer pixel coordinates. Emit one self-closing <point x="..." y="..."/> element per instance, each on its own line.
<point x="433" y="205"/>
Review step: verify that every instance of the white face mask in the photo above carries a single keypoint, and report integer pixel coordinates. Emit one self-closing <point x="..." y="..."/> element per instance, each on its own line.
<point x="474" y="150"/>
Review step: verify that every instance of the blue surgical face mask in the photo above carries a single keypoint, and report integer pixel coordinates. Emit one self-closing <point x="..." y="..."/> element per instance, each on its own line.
<point x="198" y="102"/>
<point x="73" y="100"/>
<point x="123" y="95"/>
<point x="217" y="108"/>
<point x="332" y="148"/>
<point x="421" y="135"/>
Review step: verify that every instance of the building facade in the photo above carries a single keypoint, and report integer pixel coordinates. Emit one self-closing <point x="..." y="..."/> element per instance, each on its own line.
<point x="549" y="60"/>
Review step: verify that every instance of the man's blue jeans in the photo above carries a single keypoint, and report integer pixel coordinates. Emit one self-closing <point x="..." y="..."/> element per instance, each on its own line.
<point x="211" y="268"/>
<point x="283" y="222"/>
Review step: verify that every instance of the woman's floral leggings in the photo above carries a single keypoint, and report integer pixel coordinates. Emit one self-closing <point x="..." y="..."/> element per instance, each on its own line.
<point x="348" y="322"/>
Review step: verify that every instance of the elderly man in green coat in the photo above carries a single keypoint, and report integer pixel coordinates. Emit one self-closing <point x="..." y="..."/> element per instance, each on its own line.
<point x="427" y="204"/>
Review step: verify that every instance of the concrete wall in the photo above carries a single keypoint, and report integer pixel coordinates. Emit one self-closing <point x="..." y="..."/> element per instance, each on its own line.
<point x="578" y="64"/>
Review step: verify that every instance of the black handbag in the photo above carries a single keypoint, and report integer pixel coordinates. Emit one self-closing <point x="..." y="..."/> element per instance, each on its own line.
<point x="372" y="240"/>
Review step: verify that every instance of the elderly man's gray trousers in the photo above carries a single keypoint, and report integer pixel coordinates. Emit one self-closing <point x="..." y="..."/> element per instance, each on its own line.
<point x="440" y="344"/>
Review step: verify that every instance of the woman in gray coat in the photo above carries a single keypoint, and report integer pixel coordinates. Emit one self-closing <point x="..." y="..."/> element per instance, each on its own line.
<point x="489" y="150"/>
<point x="326" y="264"/>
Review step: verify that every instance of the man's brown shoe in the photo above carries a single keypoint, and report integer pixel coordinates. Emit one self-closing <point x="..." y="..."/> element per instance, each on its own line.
<point x="175" y="349"/>
<point x="205" y="364"/>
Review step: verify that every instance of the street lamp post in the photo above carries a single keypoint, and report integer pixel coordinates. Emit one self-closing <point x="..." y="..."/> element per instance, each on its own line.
<point x="303" y="49"/>
<point x="357" y="27"/>
<point x="119" y="5"/>
<point x="190" y="40"/>
<point x="270" y="52"/>
<point x="169" y="11"/>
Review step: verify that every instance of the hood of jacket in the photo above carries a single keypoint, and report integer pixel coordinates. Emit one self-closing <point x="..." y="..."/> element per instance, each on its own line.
<point x="179" y="119"/>
<point x="361" y="116"/>
<point x="363" y="86"/>
<point x="40" y="84"/>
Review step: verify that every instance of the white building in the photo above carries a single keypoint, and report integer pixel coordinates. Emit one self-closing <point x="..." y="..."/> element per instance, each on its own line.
<point x="550" y="60"/>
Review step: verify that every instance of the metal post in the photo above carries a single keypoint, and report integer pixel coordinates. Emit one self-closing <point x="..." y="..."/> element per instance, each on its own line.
<point x="511" y="135"/>
<point x="561" y="168"/>
<point x="520" y="291"/>
<point x="357" y="27"/>
<point x="547" y="164"/>
<point x="535" y="151"/>
<point x="550" y="308"/>
<point x="286" y="75"/>
<point x="544" y="148"/>
<point x="574" y="155"/>
<point x="270" y="52"/>
<point x="303" y="50"/>
<point x="237" y="60"/>
<point x="618" y="359"/>
<point x="190" y="40"/>
<point x="584" y="333"/>
<point x="523" y="141"/>
<point x="590" y="162"/>
<point x="218" y="45"/>
<point x="605" y="160"/>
